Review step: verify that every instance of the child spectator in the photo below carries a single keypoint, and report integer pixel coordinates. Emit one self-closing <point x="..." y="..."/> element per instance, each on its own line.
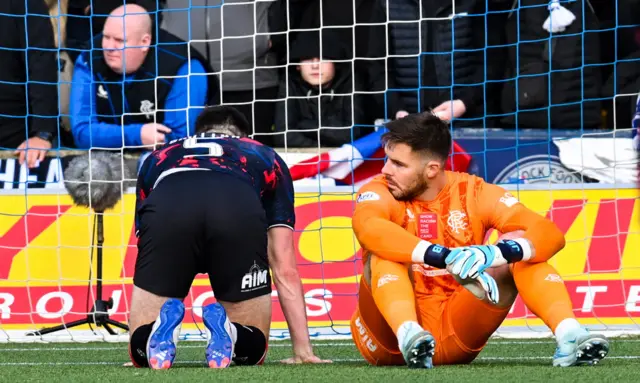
<point x="321" y="107"/>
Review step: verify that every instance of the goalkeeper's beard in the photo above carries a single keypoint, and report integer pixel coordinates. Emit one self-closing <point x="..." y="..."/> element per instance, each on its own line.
<point x="418" y="187"/>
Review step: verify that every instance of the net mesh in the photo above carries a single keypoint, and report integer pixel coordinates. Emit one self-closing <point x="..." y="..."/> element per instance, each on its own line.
<point x="48" y="245"/>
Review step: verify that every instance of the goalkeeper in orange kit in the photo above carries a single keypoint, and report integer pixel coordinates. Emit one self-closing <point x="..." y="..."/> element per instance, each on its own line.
<point x="431" y="293"/>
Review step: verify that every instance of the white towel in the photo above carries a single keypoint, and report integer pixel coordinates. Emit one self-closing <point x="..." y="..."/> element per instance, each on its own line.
<point x="609" y="160"/>
<point x="559" y="17"/>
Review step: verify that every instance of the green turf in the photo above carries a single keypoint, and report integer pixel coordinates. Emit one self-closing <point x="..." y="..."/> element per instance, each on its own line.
<point x="501" y="361"/>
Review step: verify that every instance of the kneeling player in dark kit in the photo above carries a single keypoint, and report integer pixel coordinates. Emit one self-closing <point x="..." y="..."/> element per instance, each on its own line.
<point x="222" y="204"/>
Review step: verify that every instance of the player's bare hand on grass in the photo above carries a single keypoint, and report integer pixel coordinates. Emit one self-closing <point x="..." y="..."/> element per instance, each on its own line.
<point x="305" y="359"/>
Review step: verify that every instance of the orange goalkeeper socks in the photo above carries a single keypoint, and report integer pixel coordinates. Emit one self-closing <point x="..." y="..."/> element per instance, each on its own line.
<point x="543" y="292"/>
<point x="393" y="294"/>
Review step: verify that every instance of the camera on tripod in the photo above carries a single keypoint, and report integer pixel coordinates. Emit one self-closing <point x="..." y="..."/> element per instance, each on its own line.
<point x="96" y="181"/>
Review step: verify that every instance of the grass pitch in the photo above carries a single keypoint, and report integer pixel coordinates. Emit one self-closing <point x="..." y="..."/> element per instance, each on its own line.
<point x="500" y="361"/>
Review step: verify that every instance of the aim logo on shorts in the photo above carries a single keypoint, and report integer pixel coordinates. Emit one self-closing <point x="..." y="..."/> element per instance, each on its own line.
<point x="255" y="279"/>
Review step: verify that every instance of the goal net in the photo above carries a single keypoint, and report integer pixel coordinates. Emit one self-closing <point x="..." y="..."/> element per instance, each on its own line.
<point x="538" y="120"/>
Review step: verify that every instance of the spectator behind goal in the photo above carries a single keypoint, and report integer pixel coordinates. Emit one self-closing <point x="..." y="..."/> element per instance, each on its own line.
<point x="28" y="114"/>
<point x="124" y="92"/>
<point x="319" y="94"/>
<point x="233" y="36"/>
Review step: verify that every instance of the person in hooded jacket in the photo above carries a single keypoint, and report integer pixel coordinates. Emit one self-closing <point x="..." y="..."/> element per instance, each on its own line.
<point x="321" y="107"/>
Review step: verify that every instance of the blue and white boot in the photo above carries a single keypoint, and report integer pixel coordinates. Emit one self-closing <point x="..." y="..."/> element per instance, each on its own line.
<point x="419" y="350"/>
<point x="580" y="347"/>
<point x="161" y="346"/>
<point x="220" y="336"/>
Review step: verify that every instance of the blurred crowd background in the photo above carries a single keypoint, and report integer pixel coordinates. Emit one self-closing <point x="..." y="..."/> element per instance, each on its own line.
<point x="309" y="73"/>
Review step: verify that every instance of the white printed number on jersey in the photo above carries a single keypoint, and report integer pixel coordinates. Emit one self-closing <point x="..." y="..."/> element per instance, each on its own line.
<point x="215" y="149"/>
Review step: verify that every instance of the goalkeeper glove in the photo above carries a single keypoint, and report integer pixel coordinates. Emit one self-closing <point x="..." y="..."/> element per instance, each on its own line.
<point x="490" y="286"/>
<point x="470" y="261"/>
<point x="481" y="287"/>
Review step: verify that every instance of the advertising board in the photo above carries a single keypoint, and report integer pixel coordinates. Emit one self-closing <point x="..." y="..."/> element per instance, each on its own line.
<point x="45" y="253"/>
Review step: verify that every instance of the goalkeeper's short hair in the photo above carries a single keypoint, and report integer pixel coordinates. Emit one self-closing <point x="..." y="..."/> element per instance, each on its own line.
<point x="422" y="132"/>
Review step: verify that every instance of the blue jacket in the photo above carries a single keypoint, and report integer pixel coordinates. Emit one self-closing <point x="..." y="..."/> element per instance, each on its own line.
<point x="179" y="117"/>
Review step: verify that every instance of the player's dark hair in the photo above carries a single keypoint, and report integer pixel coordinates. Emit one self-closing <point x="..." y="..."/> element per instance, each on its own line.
<point x="422" y="132"/>
<point x="223" y="119"/>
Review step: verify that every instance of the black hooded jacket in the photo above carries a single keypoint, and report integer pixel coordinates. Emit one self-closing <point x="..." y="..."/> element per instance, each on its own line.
<point x="333" y="107"/>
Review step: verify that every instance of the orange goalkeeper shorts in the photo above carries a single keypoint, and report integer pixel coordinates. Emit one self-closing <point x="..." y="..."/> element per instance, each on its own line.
<point x="460" y="323"/>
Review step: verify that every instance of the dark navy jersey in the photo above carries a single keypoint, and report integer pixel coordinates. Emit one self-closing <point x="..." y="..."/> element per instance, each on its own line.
<point x="244" y="158"/>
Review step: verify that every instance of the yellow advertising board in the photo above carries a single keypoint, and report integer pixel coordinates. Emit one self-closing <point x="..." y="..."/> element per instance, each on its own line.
<point x="45" y="255"/>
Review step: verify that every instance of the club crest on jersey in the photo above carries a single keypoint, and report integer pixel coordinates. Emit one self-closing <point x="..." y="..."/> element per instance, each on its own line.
<point x="255" y="279"/>
<point x="102" y="93"/>
<point x="457" y="221"/>
<point x="146" y="108"/>
<point x="368" y="196"/>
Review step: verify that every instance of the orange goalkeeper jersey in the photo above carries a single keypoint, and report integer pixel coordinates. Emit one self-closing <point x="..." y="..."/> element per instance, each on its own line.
<point x="461" y="215"/>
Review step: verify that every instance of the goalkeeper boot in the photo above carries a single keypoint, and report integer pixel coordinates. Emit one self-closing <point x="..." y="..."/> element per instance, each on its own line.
<point x="219" y="332"/>
<point x="580" y="347"/>
<point x="161" y="346"/>
<point x="419" y="349"/>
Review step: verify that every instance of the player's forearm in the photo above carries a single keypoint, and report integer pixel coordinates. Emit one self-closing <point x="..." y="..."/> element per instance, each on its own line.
<point x="546" y="240"/>
<point x="291" y="297"/>
<point x="389" y="241"/>
<point x="282" y="260"/>
<point x="542" y="237"/>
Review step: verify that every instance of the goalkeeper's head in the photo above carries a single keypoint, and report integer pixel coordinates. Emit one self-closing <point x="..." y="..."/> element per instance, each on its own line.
<point x="223" y="120"/>
<point x="417" y="147"/>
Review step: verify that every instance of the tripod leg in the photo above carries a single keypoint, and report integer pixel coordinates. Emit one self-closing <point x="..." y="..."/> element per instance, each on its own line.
<point x="60" y="327"/>
<point x="117" y="324"/>
<point x="98" y="316"/>
<point x="108" y="328"/>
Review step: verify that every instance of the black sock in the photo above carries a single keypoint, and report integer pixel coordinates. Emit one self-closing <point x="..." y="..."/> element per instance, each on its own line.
<point x="138" y="345"/>
<point x="251" y="346"/>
